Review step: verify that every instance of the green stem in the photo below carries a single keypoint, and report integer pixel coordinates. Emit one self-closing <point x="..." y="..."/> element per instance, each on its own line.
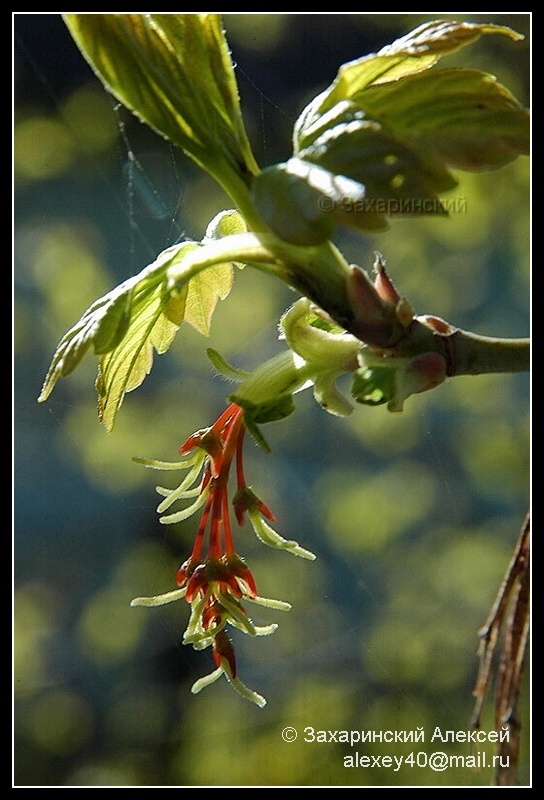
<point x="472" y="354"/>
<point x="319" y="273"/>
<point x="238" y="189"/>
<point x="466" y="353"/>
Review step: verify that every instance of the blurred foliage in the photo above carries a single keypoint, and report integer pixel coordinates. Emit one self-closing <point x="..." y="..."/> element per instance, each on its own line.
<point x="413" y="517"/>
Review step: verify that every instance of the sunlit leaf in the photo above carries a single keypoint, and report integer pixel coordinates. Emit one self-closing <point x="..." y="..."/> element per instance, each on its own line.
<point x="124" y="327"/>
<point x="114" y="323"/>
<point x="205" y="289"/>
<point x="396" y="129"/>
<point x="463" y="116"/>
<point x="417" y="51"/>
<point x="164" y="330"/>
<point x="175" y="72"/>
<point x="155" y="318"/>
<point x="225" y="223"/>
<point x="103" y="325"/>
<point x="215" y="283"/>
<point x="125" y="367"/>
<point x="395" y="177"/>
<point x="142" y="316"/>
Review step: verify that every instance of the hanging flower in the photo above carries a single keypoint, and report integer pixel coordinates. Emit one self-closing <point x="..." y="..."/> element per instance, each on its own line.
<point x="216" y="581"/>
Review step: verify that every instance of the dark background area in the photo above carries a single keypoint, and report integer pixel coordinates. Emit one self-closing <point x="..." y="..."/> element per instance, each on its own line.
<point x="413" y="517"/>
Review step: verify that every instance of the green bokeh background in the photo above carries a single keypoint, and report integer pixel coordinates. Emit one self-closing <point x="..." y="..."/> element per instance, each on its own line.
<point x="413" y="517"/>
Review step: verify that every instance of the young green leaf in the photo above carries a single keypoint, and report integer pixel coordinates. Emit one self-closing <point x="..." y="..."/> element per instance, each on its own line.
<point x="105" y="322"/>
<point x="463" y="117"/>
<point x="396" y="129"/>
<point x="215" y="283"/>
<point x="174" y="72"/>
<point x="205" y="289"/>
<point x="124" y="368"/>
<point x="124" y="327"/>
<point x="418" y="50"/>
<point x="225" y="223"/>
<point x="141" y="316"/>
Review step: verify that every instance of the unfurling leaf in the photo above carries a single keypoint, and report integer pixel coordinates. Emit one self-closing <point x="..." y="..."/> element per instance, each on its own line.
<point x="293" y="199"/>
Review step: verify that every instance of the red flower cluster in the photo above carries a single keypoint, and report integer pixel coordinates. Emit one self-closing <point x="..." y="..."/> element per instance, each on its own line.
<point x="215" y="580"/>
